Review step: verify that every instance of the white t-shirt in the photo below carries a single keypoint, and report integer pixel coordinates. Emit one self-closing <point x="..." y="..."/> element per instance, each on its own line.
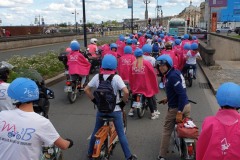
<point x="22" y="135"/>
<point x="150" y="59"/>
<point x="6" y="102"/>
<point x="149" y="41"/>
<point x="117" y="84"/>
<point x="192" y="59"/>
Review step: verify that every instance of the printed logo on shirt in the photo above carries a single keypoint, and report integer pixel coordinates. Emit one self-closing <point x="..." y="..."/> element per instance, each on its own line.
<point x="126" y="62"/>
<point x="3" y="93"/>
<point x="225" y="146"/>
<point x="137" y="70"/>
<point x="73" y="57"/>
<point x="14" y="135"/>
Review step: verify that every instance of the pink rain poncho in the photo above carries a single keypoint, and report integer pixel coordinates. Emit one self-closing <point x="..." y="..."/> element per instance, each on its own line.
<point x="92" y="50"/>
<point x="120" y="49"/>
<point x="179" y="52"/>
<point x="77" y="64"/>
<point x="124" y="66"/>
<point x="143" y="80"/>
<point x="174" y="57"/>
<point x="220" y="137"/>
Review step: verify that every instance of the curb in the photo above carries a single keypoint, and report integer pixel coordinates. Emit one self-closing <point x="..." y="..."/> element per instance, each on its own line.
<point x="54" y="80"/>
<point x="208" y="80"/>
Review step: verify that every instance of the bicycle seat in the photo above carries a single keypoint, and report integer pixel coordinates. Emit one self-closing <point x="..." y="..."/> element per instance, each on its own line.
<point x="106" y="118"/>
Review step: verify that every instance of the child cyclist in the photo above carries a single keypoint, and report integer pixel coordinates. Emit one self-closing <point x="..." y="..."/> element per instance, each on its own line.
<point x="191" y="58"/>
<point x="143" y="80"/>
<point x="77" y="63"/>
<point x="109" y="65"/>
<point x="220" y="136"/>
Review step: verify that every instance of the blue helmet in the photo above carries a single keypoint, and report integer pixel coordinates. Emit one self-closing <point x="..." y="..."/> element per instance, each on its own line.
<point x="194" y="37"/>
<point x="138" y="52"/>
<point x="139" y="33"/>
<point x="134" y="41"/>
<point x="113" y="45"/>
<point x="131" y="36"/>
<point x="228" y="95"/>
<point x="127" y="49"/>
<point x="186" y="36"/>
<point x="122" y="38"/>
<point x="187" y="46"/>
<point x="23" y="90"/>
<point x="175" y="37"/>
<point x="169" y="34"/>
<point x="74" y="45"/>
<point x="162" y="35"/>
<point x="129" y="41"/>
<point x="109" y="62"/>
<point x="165" y="59"/>
<point x="159" y="40"/>
<point x="149" y="36"/>
<point x="194" y="46"/>
<point x="147" y="48"/>
<point x="177" y="41"/>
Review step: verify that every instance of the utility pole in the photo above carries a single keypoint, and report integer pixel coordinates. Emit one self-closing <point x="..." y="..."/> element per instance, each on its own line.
<point x="132" y="17"/>
<point x="146" y="11"/>
<point x="84" y="25"/>
<point x="75" y="13"/>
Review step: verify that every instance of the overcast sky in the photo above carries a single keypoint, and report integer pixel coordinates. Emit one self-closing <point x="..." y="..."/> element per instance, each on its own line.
<point x="23" y="12"/>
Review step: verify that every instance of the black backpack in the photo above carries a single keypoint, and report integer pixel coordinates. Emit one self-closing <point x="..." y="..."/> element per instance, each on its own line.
<point x="155" y="47"/>
<point x="104" y="95"/>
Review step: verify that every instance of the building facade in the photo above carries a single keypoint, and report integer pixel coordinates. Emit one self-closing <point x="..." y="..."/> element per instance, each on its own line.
<point x="191" y="14"/>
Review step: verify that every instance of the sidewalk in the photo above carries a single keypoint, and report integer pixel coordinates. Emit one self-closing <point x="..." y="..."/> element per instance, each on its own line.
<point x="223" y="71"/>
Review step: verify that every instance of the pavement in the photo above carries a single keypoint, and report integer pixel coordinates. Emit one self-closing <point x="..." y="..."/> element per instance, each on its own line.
<point x="222" y="71"/>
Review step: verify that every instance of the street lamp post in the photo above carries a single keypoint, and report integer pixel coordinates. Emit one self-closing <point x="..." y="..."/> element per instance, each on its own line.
<point x="146" y="11"/>
<point x="159" y="8"/>
<point x="75" y="13"/>
<point x="38" y="20"/>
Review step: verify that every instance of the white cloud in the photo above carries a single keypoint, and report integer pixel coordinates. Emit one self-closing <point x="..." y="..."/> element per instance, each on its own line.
<point x="18" y="12"/>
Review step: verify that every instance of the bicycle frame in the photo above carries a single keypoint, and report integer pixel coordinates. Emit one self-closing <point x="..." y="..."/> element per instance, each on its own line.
<point x="51" y="153"/>
<point x="106" y="138"/>
<point x="185" y="146"/>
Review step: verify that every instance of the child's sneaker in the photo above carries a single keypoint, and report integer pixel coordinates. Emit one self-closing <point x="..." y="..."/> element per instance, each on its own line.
<point x="156" y="112"/>
<point x="154" y="116"/>
<point x="160" y="158"/>
<point x="130" y="113"/>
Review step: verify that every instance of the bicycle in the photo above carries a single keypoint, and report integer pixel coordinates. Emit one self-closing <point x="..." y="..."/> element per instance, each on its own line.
<point x="73" y="87"/>
<point x="51" y="153"/>
<point x="185" y="146"/>
<point x="138" y="101"/>
<point x="107" y="138"/>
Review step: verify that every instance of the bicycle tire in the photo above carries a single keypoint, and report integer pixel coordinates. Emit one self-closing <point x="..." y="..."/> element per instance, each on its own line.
<point x="72" y="96"/>
<point x="141" y="111"/>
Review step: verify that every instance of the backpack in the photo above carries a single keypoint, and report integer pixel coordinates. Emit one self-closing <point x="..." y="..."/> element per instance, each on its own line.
<point x="104" y="95"/>
<point x="155" y="47"/>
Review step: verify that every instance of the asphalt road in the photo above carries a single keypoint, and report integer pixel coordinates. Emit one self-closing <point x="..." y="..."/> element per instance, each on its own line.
<point x="76" y="121"/>
<point x="5" y="55"/>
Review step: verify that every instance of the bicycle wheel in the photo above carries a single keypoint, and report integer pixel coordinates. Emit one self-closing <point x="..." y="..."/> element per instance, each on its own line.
<point x="72" y="96"/>
<point x="141" y="111"/>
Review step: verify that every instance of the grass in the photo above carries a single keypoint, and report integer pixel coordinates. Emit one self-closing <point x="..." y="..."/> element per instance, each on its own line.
<point x="236" y="36"/>
<point x="46" y="64"/>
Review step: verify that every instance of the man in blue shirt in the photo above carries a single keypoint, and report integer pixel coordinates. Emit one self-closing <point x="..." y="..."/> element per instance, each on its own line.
<point x="178" y="105"/>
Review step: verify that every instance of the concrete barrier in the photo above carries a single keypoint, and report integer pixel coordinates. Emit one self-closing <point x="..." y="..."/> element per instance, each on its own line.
<point x="227" y="48"/>
<point x="206" y="53"/>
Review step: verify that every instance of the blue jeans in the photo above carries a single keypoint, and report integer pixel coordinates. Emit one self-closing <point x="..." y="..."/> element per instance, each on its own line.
<point x="118" y="123"/>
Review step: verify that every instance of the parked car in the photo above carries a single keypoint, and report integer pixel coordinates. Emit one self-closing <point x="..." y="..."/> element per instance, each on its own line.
<point x="237" y="30"/>
<point x="224" y="30"/>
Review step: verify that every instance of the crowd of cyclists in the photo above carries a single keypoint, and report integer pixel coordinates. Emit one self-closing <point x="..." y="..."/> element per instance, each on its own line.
<point x="144" y="61"/>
